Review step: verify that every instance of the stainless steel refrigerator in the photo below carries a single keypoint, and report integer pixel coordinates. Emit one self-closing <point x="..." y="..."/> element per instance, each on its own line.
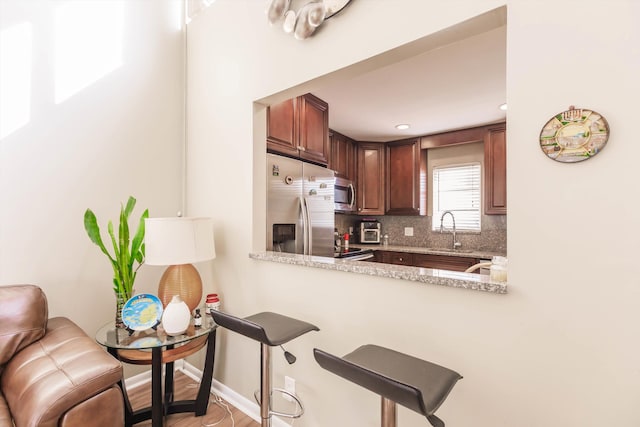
<point x="300" y="209"/>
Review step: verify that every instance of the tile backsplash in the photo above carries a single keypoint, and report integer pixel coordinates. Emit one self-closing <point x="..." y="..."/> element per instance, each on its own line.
<point x="492" y="238"/>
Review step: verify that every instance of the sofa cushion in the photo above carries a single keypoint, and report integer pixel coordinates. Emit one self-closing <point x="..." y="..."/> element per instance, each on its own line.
<point x="23" y="318"/>
<point x="44" y="380"/>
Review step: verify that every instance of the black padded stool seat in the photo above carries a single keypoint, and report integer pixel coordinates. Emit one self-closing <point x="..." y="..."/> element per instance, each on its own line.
<point x="268" y="328"/>
<point x="414" y="383"/>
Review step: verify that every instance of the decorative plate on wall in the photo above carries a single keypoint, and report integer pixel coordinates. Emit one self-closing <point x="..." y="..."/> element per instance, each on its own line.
<point x="574" y="135"/>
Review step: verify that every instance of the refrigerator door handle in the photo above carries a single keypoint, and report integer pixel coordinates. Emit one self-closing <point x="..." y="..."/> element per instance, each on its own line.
<point x="353" y="195"/>
<point x="309" y="228"/>
<point x="305" y="226"/>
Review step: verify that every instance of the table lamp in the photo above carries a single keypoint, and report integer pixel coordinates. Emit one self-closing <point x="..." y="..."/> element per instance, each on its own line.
<point x="179" y="242"/>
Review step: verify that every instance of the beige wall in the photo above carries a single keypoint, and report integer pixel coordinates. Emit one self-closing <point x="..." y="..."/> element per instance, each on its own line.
<point x="121" y="135"/>
<point x="561" y="348"/>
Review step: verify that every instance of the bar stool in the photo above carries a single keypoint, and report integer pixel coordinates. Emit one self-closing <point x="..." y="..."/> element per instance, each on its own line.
<point x="398" y="378"/>
<point x="270" y="329"/>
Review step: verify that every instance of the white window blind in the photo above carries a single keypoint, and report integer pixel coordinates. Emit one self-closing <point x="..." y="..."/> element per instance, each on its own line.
<point x="457" y="189"/>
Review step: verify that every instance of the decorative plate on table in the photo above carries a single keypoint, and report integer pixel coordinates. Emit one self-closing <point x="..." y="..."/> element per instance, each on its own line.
<point x="574" y="135"/>
<point x="141" y="312"/>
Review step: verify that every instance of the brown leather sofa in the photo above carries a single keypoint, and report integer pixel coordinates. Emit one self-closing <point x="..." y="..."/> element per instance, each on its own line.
<point x="51" y="372"/>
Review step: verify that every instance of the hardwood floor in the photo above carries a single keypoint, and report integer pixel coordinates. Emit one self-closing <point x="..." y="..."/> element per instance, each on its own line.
<point x="187" y="388"/>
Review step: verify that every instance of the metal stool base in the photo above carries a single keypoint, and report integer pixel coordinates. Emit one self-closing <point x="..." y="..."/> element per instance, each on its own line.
<point x="389" y="415"/>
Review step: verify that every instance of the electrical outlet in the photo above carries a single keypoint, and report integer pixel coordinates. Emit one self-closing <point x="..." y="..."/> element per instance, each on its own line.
<point x="290" y="386"/>
<point x="408" y="231"/>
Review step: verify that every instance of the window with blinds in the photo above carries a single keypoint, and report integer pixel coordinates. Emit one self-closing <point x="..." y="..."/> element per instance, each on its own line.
<point x="457" y="189"/>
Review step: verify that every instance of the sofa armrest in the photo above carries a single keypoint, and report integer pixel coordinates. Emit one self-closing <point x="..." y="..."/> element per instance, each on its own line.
<point x="47" y="378"/>
<point x="23" y="318"/>
<point x="5" y="415"/>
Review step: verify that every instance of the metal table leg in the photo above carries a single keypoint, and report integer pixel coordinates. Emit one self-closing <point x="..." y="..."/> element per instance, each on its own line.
<point x="157" y="411"/>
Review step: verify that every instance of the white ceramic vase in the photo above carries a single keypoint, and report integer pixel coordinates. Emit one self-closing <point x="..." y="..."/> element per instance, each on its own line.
<point x="176" y="317"/>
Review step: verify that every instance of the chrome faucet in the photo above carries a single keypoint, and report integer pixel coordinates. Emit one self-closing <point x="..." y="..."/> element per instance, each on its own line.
<point x="456" y="244"/>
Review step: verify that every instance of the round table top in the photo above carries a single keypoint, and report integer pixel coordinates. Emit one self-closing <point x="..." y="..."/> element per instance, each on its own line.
<point x="112" y="337"/>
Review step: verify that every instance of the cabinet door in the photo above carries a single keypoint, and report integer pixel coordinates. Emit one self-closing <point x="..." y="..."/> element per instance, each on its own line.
<point x="398" y="258"/>
<point x="282" y="127"/>
<point x="495" y="169"/>
<point x="314" y="129"/>
<point x="403" y="177"/>
<point x="370" y="182"/>
<point x="443" y="262"/>
<point x="342" y="155"/>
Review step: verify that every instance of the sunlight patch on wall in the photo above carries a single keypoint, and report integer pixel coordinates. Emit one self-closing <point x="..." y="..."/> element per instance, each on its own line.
<point x="16" y="50"/>
<point x="88" y="44"/>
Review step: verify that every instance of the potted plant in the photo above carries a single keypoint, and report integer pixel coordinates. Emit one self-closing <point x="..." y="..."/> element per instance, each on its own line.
<point x="128" y="254"/>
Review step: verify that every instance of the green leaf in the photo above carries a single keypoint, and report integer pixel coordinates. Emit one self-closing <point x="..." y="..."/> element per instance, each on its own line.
<point x="137" y="245"/>
<point x="123" y="237"/>
<point x="93" y="230"/>
<point x="131" y="203"/>
<point x="113" y="240"/>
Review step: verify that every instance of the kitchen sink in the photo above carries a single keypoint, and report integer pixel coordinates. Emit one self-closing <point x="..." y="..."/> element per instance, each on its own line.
<point x="449" y="250"/>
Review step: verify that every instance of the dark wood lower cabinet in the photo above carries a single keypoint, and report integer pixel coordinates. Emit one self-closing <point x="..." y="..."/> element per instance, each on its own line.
<point x="398" y="258"/>
<point x="441" y="262"/>
<point x="377" y="256"/>
<point x="444" y="262"/>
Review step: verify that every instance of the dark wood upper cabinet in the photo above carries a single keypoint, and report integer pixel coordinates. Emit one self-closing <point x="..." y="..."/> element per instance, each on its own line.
<point x="314" y="129"/>
<point x="299" y="127"/>
<point x="282" y="127"/>
<point x="370" y="182"/>
<point x="403" y="164"/>
<point x="343" y="155"/>
<point x="495" y="171"/>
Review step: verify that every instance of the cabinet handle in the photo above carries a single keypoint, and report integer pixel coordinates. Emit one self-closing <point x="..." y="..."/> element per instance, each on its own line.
<point x="301" y="148"/>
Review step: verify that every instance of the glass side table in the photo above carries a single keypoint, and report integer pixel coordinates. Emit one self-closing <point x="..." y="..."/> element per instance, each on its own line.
<point x="154" y="347"/>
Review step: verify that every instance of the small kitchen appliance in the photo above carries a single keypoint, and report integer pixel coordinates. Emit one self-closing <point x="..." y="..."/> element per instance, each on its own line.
<point x="370" y="230"/>
<point x="344" y="196"/>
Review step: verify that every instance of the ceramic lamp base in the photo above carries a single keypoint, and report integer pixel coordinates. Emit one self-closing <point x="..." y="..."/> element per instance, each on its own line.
<point x="183" y="280"/>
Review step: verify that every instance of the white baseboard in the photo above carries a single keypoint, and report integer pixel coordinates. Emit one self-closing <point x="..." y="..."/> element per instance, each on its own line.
<point x="138" y="380"/>
<point x="244" y="405"/>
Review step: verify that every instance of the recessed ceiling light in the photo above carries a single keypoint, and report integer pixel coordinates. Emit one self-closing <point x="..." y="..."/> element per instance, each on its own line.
<point x="503" y="107"/>
<point x="402" y="126"/>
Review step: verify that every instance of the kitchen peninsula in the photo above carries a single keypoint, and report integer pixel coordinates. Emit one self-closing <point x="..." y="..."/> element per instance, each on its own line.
<point x="472" y="281"/>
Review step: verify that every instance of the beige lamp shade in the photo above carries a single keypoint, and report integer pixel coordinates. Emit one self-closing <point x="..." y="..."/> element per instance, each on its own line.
<point x="178" y="242"/>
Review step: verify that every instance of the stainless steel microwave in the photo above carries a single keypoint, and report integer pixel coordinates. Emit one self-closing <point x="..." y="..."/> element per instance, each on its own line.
<point x="344" y="196"/>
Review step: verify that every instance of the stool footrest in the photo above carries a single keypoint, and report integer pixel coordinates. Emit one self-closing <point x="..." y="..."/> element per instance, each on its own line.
<point x="295" y="397"/>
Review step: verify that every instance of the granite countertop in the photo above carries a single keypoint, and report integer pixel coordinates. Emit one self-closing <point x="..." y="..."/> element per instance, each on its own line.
<point x="477" y="282"/>
<point x="469" y="253"/>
